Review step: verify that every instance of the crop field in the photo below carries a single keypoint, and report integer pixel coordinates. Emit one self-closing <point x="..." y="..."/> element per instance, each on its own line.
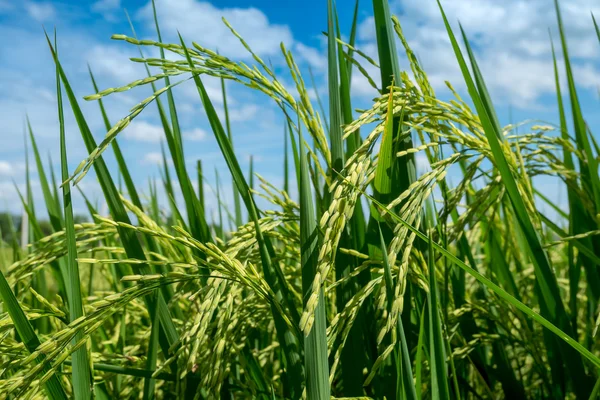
<point x="361" y="276"/>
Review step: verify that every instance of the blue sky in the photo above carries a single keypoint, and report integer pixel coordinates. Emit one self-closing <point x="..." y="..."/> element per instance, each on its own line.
<point x="510" y="37"/>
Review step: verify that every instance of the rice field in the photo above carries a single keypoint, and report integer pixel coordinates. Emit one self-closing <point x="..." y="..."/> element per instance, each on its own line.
<point x="360" y="277"/>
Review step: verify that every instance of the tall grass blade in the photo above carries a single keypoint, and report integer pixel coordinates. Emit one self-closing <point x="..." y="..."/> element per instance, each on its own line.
<point x="576" y="216"/>
<point x="236" y="195"/>
<point x="405" y="387"/>
<point x="271" y="269"/>
<point x="286" y="164"/>
<point x="335" y="112"/>
<point x="123" y="168"/>
<point x="195" y="214"/>
<point x="82" y="384"/>
<point x="589" y="169"/>
<point x="315" y="344"/>
<point x="53" y="386"/>
<point x="493" y="287"/>
<point x="437" y="353"/>
<point x="51" y="205"/>
<point x="131" y="242"/>
<point x="549" y="294"/>
<point x="200" y="184"/>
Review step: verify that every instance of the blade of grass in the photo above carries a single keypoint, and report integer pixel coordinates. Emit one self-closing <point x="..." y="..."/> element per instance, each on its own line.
<point x="81" y="378"/>
<point x="221" y="226"/>
<point x="577" y="219"/>
<point x="149" y="382"/>
<point x="236" y="195"/>
<point x="53" y="208"/>
<point x="195" y="213"/>
<point x="53" y="386"/>
<point x="286" y="172"/>
<point x="58" y="269"/>
<point x="55" y="185"/>
<point x="437" y="353"/>
<point x="589" y="167"/>
<point x="200" y="184"/>
<point x="351" y="42"/>
<point x="315" y="344"/>
<point x="319" y="102"/>
<point x="550" y="297"/>
<point x="402" y="172"/>
<point x="335" y="112"/>
<point x="251" y="173"/>
<point x="123" y="168"/>
<point x="294" y="152"/>
<point x="492" y="286"/>
<point x="352" y="360"/>
<point x="419" y="356"/>
<point x="272" y="271"/>
<point x="130" y="241"/>
<point x="405" y="386"/>
<point x="390" y="73"/>
<point x="53" y="211"/>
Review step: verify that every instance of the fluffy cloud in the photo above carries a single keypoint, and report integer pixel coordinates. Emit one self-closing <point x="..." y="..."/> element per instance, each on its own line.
<point x="244" y="113"/>
<point x="107" y="8"/>
<point x="41" y="12"/>
<point x="143" y="131"/>
<point x="312" y="56"/>
<point x="106" y="5"/>
<point x="200" y="21"/>
<point x="195" y="135"/>
<point x="510" y="39"/>
<point x="5" y="168"/>
<point x="154" y="158"/>
<point x="113" y="61"/>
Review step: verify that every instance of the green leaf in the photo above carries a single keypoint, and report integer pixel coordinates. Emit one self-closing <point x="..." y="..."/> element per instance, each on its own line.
<point x="81" y="379"/>
<point x="131" y="189"/>
<point x="405" y="386"/>
<point x="315" y="343"/>
<point x="236" y="194"/>
<point x="271" y="269"/>
<point x="437" y="353"/>
<point x="131" y="242"/>
<point x="149" y="382"/>
<point x="53" y="386"/>
<point x="589" y="166"/>
<point x="550" y="297"/>
<point x="494" y="288"/>
<point x="51" y="205"/>
<point x="335" y="112"/>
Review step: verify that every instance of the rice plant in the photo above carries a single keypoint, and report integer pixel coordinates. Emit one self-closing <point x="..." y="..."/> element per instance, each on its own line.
<point x="376" y="282"/>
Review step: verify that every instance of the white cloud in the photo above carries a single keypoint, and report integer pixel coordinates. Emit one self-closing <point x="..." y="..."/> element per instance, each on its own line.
<point x="114" y="61"/>
<point x="5" y="168"/>
<point x="143" y="131"/>
<point x="106" y="5"/>
<point x="213" y="88"/>
<point x="510" y="40"/>
<point x="311" y="55"/>
<point x="201" y="21"/>
<point x="40" y="11"/>
<point x="107" y="8"/>
<point x="360" y="84"/>
<point x="196" y="134"/>
<point x="244" y="113"/>
<point x="153" y="158"/>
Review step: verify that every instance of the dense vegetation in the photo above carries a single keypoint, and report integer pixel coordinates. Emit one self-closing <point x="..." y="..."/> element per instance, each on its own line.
<point x="376" y="282"/>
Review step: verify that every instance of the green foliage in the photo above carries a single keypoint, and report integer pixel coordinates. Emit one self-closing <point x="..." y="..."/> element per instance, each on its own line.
<point x="481" y="287"/>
